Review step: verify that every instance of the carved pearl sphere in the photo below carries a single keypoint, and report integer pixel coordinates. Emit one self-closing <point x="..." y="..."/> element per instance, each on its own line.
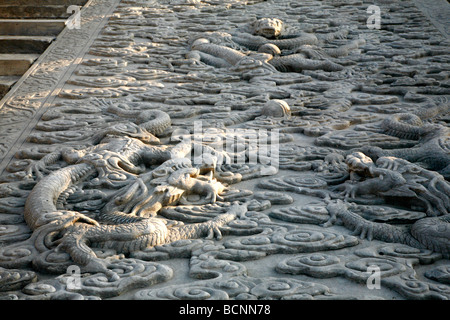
<point x="199" y="42"/>
<point x="276" y="108"/>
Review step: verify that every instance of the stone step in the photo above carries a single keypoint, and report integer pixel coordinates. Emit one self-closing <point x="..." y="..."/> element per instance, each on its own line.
<point x="31" y="27"/>
<point x="6" y="82"/>
<point x="24" y="44"/>
<point x="16" y="64"/>
<point x="34" y="11"/>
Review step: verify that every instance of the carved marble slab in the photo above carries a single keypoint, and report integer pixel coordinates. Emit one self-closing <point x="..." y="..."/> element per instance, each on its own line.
<point x="337" y="147"/>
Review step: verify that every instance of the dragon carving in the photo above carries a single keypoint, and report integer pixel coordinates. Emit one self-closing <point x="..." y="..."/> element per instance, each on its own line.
<point x="432" y="150"/>
<point x="273" y="49"/>
<point x="401" y="180"/>
<point x="140" y="179"/>
<point x="416" y="177"/>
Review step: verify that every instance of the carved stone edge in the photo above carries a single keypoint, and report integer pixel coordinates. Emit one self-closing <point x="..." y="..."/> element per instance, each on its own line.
<point x="437" y="11"/>
<point x="22" y="107"/>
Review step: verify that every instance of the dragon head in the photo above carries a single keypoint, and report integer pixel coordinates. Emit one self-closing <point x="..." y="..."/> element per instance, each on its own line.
<point x="132" y="130"/>
<point x="268" y="27"/>
<point x="206" y="164"/>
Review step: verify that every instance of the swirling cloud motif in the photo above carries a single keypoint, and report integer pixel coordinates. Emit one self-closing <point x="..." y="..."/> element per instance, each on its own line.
<point x="134" y="273"/>
<point x="14" y="279"/>
<point x="440" y="274"/>
<point x="383" y="92"/>
<point x="131" y="274"/>
<point x="274" y="288"/>
<point x="242" y="288"/>
<point x="311" y="213"/>
<point x="187" y="292"/>
<point x="295" y="240"/>
<point x="396" y="273"/>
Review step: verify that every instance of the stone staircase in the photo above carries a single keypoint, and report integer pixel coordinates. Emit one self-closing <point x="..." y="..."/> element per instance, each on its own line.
<point x="27" y="28"/>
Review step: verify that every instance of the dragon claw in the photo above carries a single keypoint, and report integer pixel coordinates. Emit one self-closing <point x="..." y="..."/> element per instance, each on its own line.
<point x="364" y="231"/>
<point x="214" y="233"/>
<point x="331" y="221"/>
<point x="97" y="265"/>
<point x="238" y="209"/>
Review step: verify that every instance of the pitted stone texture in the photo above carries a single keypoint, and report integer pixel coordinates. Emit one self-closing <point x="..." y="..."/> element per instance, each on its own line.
<point x="113" y="77"/>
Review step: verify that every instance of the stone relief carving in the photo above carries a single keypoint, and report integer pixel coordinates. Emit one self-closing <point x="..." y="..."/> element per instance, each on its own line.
<point x="105" y="181"/>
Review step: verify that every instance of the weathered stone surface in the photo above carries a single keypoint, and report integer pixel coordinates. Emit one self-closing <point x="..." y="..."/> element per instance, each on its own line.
<point x="29" y="27"/>
<point x="190" y="150"/>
